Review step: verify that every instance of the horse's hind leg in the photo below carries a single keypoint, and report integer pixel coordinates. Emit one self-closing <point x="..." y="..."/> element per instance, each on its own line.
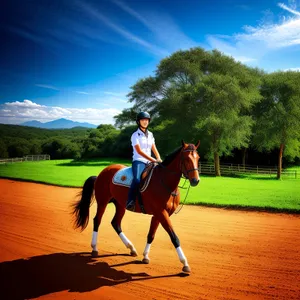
<point x="97" y="221"/>
<point x="103" y="197"/>
<point x="116" y="224"/>
<point x="150" y="238"/>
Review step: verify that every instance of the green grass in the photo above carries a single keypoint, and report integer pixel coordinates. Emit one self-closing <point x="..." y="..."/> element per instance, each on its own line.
<point x="294" y="168"/>
<point x="58" y="172"/>
<point x="244" y="193"/>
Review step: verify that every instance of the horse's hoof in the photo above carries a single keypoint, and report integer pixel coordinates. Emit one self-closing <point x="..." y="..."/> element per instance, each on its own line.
<point x="94" y="253"/>
<point x="186" y="269"/>
<point x="146" y="261"/>
<point x="133" y="253"/>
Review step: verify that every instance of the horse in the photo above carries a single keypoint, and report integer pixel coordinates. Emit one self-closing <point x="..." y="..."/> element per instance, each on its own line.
<point x="160" y="198"/>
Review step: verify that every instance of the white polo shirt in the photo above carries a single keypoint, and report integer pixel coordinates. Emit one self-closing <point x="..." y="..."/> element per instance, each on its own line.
<point x="139" y="138"/>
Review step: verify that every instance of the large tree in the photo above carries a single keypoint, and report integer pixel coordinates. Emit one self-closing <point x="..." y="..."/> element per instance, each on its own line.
<point x="195" y="91"/>
<point x="278" y="115"/>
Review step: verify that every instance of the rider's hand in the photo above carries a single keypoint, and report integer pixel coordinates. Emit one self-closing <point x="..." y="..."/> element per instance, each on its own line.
<point x="159" y="160"/>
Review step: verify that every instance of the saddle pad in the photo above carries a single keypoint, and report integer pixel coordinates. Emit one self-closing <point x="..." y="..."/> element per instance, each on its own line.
<point x="123" y="177"/>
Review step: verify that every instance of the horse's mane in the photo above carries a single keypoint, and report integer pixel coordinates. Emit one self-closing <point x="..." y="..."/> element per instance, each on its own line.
<point x="170" y="157"/>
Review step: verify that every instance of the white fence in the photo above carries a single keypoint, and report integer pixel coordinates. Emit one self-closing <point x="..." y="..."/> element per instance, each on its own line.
<point x="25" y="158"/>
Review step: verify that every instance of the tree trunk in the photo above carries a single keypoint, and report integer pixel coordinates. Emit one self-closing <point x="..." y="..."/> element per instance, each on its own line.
<point x="217" y="164"/>
<point x="244" y="151"/>
<point x="279" y="168"/>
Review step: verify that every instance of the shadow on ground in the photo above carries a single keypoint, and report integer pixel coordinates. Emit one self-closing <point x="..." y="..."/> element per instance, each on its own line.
<point x="76" y="272"/>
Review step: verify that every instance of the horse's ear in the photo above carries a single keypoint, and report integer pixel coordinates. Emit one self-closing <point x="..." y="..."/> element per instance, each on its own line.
<point x="183" y="143"/>
<point x="198" y="144"/>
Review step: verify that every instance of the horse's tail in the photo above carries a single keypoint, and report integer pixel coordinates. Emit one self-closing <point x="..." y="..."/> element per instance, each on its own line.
<point x="81" y="207"/>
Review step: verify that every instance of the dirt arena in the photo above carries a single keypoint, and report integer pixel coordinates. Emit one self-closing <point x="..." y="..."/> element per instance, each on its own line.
<point x="232" y="254"/>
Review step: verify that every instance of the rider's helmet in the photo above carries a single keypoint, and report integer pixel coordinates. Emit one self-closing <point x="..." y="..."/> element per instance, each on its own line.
<point x="142" y="115"/>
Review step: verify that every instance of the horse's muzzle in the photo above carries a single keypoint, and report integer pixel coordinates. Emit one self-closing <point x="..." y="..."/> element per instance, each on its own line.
<point x="194" y="181"/>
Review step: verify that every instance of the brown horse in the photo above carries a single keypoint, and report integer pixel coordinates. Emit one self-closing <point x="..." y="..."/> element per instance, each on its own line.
<point x="160" y="198"/>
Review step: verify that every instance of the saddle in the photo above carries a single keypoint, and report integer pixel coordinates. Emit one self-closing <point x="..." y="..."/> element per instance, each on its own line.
<point x="124" y="177"/>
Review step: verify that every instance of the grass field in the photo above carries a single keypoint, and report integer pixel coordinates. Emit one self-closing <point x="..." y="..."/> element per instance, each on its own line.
<point x="247" y="193"/>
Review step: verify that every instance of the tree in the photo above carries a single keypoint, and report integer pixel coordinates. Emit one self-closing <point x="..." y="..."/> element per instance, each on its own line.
<point x="278" y="115"/>
<point x="3" y="149"/>
<point x="18" y="147"/>
<point x="197" y="90"/>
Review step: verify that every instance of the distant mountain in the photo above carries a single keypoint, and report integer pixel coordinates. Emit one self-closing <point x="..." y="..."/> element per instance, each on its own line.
<point x="58" y="124"/>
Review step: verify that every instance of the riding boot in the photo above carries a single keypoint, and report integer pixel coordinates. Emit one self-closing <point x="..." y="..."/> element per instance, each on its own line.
<point x="131" y="205"/>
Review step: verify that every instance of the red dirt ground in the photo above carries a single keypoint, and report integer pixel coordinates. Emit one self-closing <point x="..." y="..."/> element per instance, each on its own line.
<point x="232" y="254"/>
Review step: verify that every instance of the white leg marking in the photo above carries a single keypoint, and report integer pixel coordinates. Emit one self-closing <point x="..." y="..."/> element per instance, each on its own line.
<point x="124" y="239"/>
<point x="94" y="241"/>
<point x="181" y="256"/>
<point x="127" y="242"/>
<point x="146" y="251"/>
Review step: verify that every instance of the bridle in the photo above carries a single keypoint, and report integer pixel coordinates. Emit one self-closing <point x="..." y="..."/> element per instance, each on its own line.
<point x="182" y="168"/>
<point x="186" y="172"/>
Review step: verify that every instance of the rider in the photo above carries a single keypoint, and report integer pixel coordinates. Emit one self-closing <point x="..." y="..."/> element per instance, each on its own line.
<point x="142" y="141"/>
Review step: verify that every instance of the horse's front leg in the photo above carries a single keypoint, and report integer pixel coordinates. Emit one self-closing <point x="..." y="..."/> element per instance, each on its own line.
<point x="165" y="221"/>
<point x="150" y="238"/>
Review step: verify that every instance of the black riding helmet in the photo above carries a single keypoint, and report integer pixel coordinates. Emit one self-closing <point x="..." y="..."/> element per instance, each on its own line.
<point x="142" y="115"/>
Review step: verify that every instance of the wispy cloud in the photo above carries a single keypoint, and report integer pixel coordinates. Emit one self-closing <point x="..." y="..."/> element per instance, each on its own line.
<point x="255" y="42"/>
<point x="62" y="28"/>
<point x="37" y="37"/>
<point x="94" y="13"/>
<point x="243" y="7"/>
<point x="47" y="86"/>
<point x="283" y="6"/>
<point x="18" y="112"/>
<point x="84" y="25"/>
<point x="171" y="36"/>
<point x="115" y="94"/>
<point x="83" y="93"/>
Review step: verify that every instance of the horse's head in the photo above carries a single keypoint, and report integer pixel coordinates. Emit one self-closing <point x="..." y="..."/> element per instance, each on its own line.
<point x="189" y="162"/>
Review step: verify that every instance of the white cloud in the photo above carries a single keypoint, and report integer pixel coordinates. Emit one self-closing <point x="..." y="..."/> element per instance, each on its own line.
<point x="293" y="69"/>
<point x="19" y="112"/>
<point x="256" y="42"/>
<point x="26" y="103"/>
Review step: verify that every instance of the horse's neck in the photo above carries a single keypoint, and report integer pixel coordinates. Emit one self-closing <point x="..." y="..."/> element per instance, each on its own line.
<point x="173" y="174"/>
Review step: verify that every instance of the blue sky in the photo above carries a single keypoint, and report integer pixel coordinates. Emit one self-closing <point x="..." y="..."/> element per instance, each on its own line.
<point x="77" y="59"/>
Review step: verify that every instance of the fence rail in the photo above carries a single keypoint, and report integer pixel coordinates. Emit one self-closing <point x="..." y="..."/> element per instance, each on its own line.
<point x="204" y="168"/>
<point x="25" y="158"/>
<point x="232" y="169"/>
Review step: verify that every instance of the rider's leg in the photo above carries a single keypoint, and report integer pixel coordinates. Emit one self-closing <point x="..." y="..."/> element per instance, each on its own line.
<point x="137" y="169"/>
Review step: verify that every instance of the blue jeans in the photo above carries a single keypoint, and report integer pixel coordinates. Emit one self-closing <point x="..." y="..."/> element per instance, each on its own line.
<point x="137" y="169"/>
